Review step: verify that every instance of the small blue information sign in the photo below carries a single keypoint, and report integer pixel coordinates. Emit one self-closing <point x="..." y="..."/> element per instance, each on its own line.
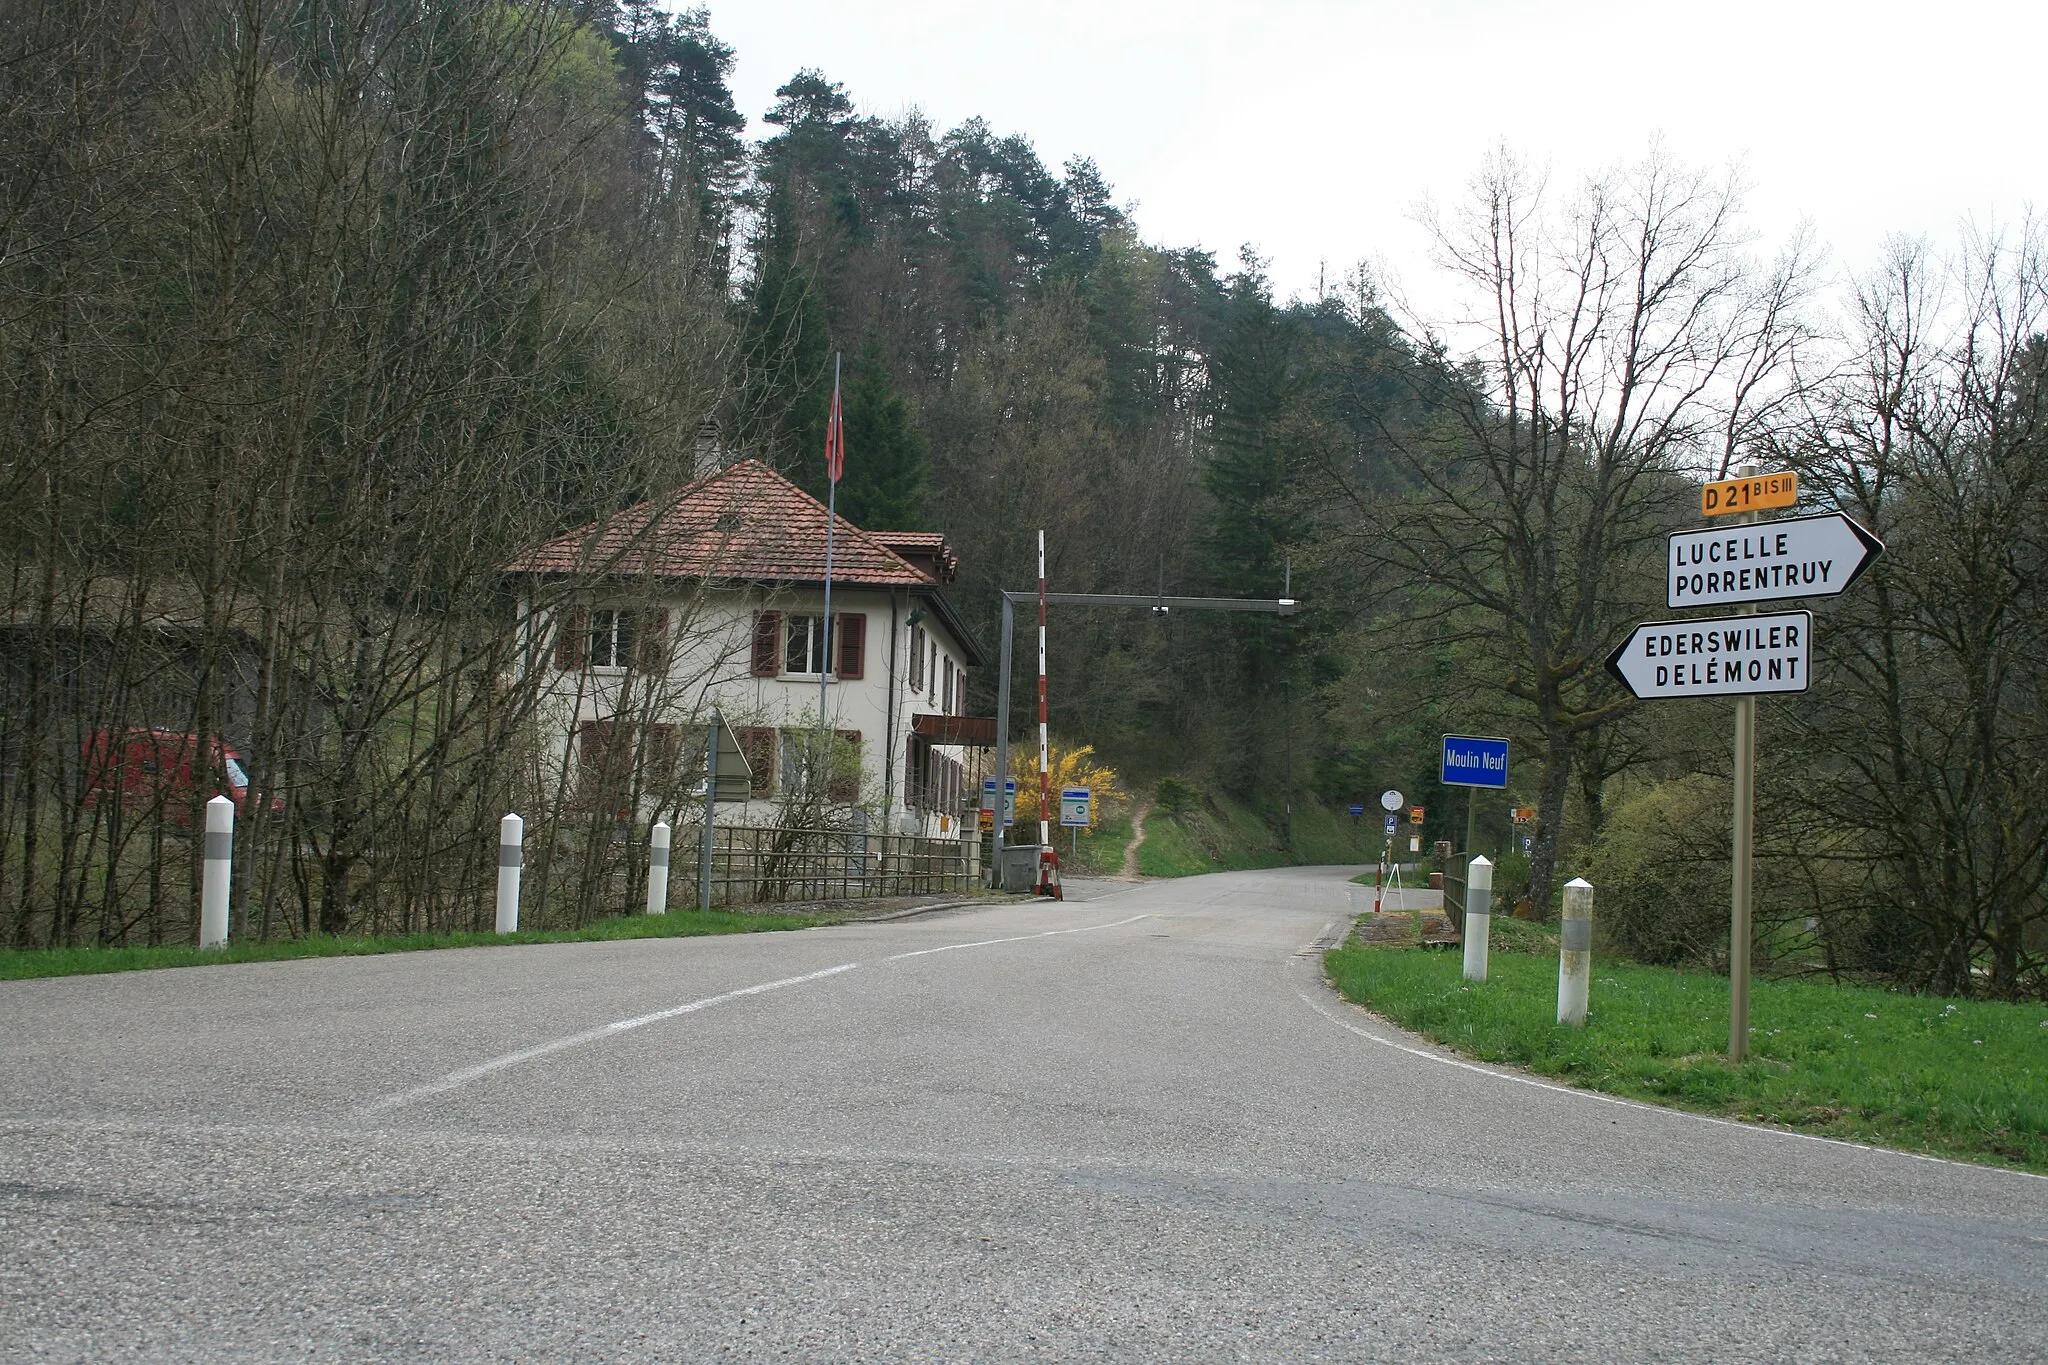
<point x="988" y="799"/>
<point x="1470" y="761"/>
<point x="1357" y="811"/>
<point x="1390" y="824"/>
<point x="1074" y="807"/>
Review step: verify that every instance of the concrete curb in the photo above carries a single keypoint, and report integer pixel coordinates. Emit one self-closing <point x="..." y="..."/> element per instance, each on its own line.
<point x="943" y="905"/>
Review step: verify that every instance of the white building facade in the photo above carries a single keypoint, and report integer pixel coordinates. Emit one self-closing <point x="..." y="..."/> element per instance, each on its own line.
<point x="644" y="624"/>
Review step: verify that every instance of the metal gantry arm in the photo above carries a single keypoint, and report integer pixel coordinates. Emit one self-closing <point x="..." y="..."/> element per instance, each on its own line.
<point x="1155" y="603"/>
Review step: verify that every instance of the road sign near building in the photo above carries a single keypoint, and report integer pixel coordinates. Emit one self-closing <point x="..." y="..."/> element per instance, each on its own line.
<point x="1772" y="561"/>
<point x="1726" y="656"/>
<point x="988" y="799"/>
<point x="1390" y="800"/>
<point x="1392" y="820"/>
<point x="1470" y="761"/>
<point x="1075" y="807"/>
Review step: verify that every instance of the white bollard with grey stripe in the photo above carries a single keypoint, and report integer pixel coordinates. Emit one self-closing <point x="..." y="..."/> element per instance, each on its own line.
<point x="657" y="870"/>
<point x="511" y="855"/>
<point x="1575" y="953"/>
<point x="1478" y="917"/>
<point x="218" y="873"/>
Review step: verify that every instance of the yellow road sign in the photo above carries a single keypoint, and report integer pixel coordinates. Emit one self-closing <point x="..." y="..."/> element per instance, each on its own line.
<point x="1757" y="493"/>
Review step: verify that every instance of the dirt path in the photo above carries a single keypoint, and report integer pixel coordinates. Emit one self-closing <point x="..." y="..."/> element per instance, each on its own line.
<point x="1130" y="868"/>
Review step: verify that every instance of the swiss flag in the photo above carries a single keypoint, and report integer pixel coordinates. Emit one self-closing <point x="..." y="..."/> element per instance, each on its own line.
<point x="835" y="439"/>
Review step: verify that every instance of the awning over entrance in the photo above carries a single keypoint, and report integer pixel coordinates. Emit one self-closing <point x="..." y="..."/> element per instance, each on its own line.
<point x="978" y="732"/>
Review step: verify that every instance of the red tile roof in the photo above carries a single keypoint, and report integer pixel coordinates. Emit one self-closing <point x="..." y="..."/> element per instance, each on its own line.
<point x="746" y="522"/>
<point x="926" y="550"/>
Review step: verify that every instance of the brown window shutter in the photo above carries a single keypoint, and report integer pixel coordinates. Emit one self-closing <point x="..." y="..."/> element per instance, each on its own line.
<point x="603" y="764"/>
<point x="758" y="743"/>
<point x="853" y="643"/>
<point x="846" y="786"/>
<point x="768" y="644"/>
<point x="572" y="638"/>
<point x="913" y="772"/>
<point x="650" y="641"/>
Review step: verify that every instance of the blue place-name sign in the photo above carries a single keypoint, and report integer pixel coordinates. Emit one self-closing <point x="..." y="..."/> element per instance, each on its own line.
<point x="1470" y="761"/>
<point x="1357" y="811"/>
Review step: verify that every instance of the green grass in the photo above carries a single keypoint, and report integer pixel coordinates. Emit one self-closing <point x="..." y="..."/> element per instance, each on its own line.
<point x="1227" y="836"/>
<point x="1960" y="1078"/>
<point x="1102" y="848"/>
<point x="21" y="964"/>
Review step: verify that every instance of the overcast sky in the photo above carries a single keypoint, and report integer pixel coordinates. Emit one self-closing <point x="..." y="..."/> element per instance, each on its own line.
<point x="1311" y="129"/>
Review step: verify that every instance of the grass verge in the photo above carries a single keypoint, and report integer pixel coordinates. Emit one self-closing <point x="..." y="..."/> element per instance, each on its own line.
<point x="22" y="964"/>
<point x="1223" y="835"/>
<point x="1959" y="1078"/>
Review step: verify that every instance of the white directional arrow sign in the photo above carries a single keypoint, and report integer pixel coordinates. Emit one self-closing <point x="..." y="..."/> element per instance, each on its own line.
<point x="1728" y="656"/>
<point x="1770" y="561"/>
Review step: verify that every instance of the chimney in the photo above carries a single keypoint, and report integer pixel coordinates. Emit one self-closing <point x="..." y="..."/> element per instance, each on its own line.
<point x="709" y="453"/>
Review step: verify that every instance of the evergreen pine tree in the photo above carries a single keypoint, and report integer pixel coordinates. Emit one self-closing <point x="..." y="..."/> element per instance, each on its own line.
<point x="886" y="458"/>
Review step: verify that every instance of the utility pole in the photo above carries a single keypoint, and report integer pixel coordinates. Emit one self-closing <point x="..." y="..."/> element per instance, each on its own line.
<point x="1287" y="720"/>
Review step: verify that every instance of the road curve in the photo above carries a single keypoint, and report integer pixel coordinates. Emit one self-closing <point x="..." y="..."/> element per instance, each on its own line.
<point x="1137" y="1127"/>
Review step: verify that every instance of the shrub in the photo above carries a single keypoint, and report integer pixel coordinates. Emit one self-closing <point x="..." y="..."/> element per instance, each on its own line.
<point x="1176" y="795"/>
<point x="1659" y="869"/>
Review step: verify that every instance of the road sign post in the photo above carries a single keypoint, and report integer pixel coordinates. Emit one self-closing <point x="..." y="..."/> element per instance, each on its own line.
<point x="1743" y="656"/>
<point x="988" y="799"/>
<point x="727" y="777"/>
<point x="1471" y="762"/>
<point x="1723" y="656"/>
<point x="1390" y="801"/>
<point x="1768" y="562"/>
<point x="1076" y="814"/>
<point x="1742" y="852"/>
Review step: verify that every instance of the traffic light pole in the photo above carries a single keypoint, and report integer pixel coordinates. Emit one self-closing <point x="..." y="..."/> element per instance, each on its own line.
<point x="1158" y="606"/>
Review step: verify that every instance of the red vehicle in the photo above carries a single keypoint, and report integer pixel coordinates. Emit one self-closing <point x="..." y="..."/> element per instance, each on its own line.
<point x="182" y="771"/>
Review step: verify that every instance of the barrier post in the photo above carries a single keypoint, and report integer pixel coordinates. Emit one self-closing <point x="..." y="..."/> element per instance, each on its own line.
<point x="1575" y="953"/>
<point x="511" y="855"/>
<point x="217" y="874"/>
<point x="657" y="870"/>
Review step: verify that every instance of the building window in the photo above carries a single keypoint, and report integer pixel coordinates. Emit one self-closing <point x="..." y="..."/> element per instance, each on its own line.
<point x="917" y="658"/>
<point x="611" y="639"/>
<point x="803" y="649"/>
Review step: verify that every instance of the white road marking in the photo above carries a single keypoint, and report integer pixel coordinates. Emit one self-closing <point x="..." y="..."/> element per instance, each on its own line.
<point x="1020" y="938"/>
<point x="527" y="1054"/>
<point x="1637" y="1105"/>
<point x="455" y="1079"/>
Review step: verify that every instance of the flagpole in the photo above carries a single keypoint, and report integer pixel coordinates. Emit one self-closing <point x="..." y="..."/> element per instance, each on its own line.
<point x="835" y="436"/>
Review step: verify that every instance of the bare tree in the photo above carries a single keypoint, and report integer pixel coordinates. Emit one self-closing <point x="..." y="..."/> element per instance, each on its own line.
<point x="1620" y="343"/>
<point x="1924" y="750"/>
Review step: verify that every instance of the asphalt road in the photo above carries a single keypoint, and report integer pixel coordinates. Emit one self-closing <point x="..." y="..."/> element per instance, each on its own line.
<point x="1137" y="1127"/>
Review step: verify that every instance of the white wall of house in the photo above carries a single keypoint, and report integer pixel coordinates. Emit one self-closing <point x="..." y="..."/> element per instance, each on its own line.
<point x="709" y="662"/>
